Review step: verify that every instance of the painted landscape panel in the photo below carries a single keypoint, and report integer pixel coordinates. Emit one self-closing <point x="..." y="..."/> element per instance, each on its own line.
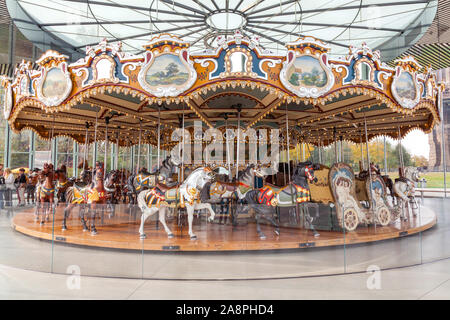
<point x="167" y="70"/>
<point x="405" y="86"/>
<point x="306" y="71"/>
<point x="54" y="84"/>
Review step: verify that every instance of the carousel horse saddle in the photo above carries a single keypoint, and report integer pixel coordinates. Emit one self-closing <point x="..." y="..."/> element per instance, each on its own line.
<point x="402" y="179"/>
<point x="273" y="187"/>
<point x="64" y="184"/>
<point x="47" y="191"/>
<point x="164" y="187"/>
<point x="229" y="186"/>
<point x="95" y="195"/>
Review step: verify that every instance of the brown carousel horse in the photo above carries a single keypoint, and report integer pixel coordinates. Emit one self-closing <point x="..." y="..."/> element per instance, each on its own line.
<point x="113" y="186"/>
<point x="33" y="181"/>
<point x="62" y="184"/>
<point x="45" y="193"/>
<point x="92" y="198"/>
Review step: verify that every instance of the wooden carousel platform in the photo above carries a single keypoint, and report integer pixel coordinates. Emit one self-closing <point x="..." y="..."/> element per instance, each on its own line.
<point x="121" y="232"/>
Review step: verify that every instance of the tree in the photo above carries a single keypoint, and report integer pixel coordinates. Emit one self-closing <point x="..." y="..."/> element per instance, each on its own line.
<point x="172" y="69"/>
<point x="419" y="161"/>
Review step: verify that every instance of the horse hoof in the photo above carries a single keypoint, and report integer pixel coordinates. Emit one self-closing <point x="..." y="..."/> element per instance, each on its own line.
<point x="170" y="236"/>
<point x="143" y="236"/>
<point x="194" y="237"/>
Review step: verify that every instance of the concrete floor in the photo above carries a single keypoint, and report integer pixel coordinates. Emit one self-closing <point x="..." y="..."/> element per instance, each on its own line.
<point x="20" y="255"/>
<point x="427" y="281"/>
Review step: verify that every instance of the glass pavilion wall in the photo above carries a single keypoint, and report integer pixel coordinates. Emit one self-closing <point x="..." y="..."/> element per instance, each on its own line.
<point x="26" y="149"/>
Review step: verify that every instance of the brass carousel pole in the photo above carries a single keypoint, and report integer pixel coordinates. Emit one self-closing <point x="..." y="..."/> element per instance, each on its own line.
<point x="227" y="146"/>
<point x="94" y="158"/>
<point x="335" y="144"/>
<point x="86" y="142"/>
<point x="385" y="158"/>
<point x="362" y="153"/>
<point x="320" y="151"/>
<point x="159" y="133"/>
<point x="139" y="147"/>
<point x="304" y="146"/>
<point x="238" y="140"/>
<point x="370" y="173"/>
<point x="400" y="151"/>
<point x="116" y="156"/>
<point x="51" y="142"/>
<point x="182" y="151"/>
<point x="106" y="143"/>
<point x="287" y="146"/>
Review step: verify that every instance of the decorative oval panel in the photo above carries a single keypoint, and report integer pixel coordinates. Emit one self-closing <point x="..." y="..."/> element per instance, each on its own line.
<point x="405" y="89"/>
<point x="307" y="75"/>
<point x="167" y="74"/>
<point x="54" y="85"/>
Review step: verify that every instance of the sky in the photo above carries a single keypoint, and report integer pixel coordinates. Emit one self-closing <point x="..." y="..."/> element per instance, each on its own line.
<point x="416" y="142"/>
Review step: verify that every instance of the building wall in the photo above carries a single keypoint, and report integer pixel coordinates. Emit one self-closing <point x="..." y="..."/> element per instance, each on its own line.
<point x="435" y="137"/>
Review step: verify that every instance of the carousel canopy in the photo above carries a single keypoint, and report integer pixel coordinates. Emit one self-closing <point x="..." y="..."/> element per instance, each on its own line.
<point x="319" y="98"/>
<point x="70" y="25"/>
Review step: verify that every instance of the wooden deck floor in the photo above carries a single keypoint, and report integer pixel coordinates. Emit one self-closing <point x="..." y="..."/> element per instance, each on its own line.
<point x="121" y="232"/>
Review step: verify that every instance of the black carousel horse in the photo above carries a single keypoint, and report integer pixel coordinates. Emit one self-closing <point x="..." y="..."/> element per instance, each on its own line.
<point x="264" y="200"/>
<point x="145" y="180"/>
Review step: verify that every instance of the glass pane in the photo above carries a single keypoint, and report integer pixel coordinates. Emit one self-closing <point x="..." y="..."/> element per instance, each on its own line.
<point x="20" y="145"/>
<point x="91" y="253"/>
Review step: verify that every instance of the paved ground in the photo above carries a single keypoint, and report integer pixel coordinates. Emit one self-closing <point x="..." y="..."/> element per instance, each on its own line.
<point x="428" y="281"/>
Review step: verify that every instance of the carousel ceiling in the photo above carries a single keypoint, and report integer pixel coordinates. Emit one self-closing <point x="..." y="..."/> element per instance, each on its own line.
<point x="71" y="25"/>
<point x="126" y="96"/>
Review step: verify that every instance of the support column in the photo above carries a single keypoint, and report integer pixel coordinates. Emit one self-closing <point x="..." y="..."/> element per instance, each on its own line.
<point x="385" y="158"/>
<point x="7" y="146"/>
<point x="443" y="144"/>
<point x="75" y="159"/>
<point x="11" y="51"/>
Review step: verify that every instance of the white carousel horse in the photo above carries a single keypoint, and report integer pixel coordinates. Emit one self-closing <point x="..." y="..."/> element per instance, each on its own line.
<point x="404" y="191"/>
<point x="158" y="198"/>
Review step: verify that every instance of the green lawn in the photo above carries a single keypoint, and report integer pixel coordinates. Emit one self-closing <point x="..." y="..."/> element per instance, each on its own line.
<point x="434" y="179"/>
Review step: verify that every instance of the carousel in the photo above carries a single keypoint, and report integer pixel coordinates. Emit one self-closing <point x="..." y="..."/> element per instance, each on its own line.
<point x="223" y="116"/>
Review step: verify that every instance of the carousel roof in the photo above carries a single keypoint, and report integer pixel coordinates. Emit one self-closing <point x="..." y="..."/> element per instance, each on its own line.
<point x="71" y="25"/>
<point x="322" y="97"/>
